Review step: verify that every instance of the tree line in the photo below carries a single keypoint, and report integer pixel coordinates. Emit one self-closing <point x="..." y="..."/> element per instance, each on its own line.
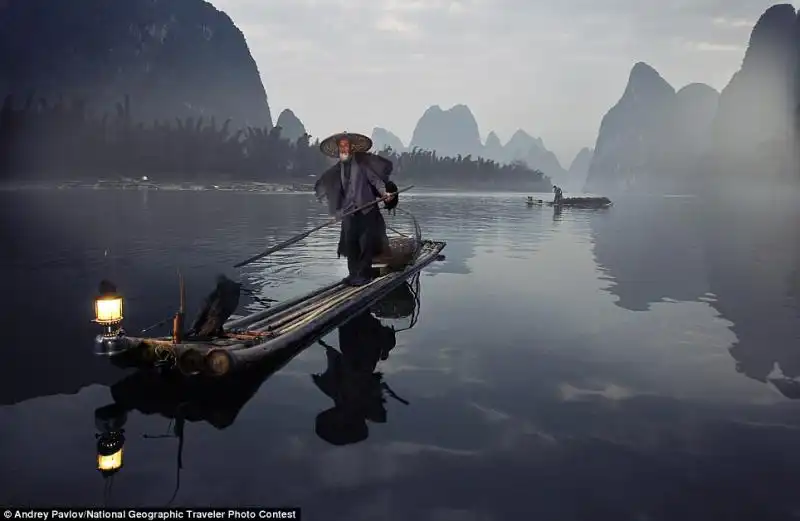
<point x="43" y="141"/>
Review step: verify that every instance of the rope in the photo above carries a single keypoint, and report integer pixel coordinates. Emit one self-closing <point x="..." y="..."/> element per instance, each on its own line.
<point x="398" y="232"/>
<point x="107" y="489"/>
<point x="164" y="355"/>
<point x="414" y="284"/>
<point x="177" y="433"/>
<point x="417" y="229"/>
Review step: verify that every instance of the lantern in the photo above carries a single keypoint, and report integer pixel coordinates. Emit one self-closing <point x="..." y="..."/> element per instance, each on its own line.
<point x="108" y="309"/>
<point x="110" y="446"/>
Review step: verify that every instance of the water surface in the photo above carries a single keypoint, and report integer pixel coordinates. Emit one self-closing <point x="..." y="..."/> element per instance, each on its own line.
<point x="633" y="363"/>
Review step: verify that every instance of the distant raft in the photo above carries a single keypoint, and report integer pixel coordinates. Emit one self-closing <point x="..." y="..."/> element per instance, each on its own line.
<point x="583" y="202"/>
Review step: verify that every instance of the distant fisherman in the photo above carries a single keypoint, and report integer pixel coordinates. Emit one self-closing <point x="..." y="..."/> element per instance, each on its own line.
<point x="559" y="195"/>
<point x="355" y="180"/>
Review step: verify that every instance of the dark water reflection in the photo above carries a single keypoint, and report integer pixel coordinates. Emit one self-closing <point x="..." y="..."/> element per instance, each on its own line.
<point x="739" y="255"/>
<point x="535" y="389"/>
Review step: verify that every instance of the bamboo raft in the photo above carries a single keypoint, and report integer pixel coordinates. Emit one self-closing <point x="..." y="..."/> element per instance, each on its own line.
<point x="218" y="401"/>
<point x="574" y="202"/>
<point x="583" y="202"/>
<point x="250" y="339"/>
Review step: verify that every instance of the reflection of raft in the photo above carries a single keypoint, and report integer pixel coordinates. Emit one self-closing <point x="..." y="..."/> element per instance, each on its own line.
<point x="250" y="339"/>
<point x="217" y="403"/>
<point x="583" y="202"/>
<point x="401" y="302"/>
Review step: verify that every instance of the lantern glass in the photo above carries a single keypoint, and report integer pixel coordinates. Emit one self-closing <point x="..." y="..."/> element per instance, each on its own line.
<point x="111" y="462"/>
<point x="108" y="310"/>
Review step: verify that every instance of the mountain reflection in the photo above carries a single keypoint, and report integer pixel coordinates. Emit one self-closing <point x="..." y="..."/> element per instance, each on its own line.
<point x="739" y="256"/>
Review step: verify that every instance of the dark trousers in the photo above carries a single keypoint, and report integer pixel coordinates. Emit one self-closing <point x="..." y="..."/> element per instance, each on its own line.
<point x="361" y="241"/>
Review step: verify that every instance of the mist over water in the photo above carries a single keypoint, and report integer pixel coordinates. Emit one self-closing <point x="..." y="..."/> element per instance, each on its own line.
<point x="631" y="363"/>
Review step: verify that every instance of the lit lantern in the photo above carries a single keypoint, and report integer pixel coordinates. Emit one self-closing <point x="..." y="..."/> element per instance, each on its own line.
<point x="110" y="447"/>
<point x="108" y="309"/>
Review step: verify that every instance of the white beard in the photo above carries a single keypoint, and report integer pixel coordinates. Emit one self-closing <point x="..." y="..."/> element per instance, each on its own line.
<point x="344" y="157"/>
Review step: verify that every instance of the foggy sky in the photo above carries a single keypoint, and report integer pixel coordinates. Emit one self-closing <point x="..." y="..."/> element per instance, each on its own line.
<point x="551" y="67"/>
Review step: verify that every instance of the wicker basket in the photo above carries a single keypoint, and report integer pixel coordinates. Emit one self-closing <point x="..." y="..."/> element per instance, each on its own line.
<point x="399" y="253"/>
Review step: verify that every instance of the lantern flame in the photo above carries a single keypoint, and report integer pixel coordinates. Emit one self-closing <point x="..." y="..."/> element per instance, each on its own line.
<point x="108" y="310"/>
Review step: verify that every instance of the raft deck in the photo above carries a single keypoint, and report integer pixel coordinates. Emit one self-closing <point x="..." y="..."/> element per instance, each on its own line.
<point x="252" y="338"/>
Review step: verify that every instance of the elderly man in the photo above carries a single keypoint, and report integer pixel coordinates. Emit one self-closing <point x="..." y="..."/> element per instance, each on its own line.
<point x="357" y="179"/>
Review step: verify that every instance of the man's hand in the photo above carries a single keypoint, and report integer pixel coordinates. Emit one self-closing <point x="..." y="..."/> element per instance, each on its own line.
<point x="387" y="197"/>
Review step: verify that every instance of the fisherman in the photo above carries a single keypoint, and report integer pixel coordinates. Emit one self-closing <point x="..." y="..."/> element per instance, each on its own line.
<point x="357" y="179"/>
<point x="559" y="194"/>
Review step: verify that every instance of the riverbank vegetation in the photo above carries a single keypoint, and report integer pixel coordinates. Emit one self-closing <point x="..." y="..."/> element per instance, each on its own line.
<point x="65" y="140"/>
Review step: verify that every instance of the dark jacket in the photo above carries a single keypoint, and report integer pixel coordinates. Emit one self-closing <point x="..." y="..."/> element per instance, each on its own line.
<point x="329" y="185"/>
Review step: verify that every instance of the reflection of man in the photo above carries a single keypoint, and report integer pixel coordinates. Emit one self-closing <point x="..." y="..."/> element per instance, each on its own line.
<point x="350" y="380"/>
<point x="356" y="179"/>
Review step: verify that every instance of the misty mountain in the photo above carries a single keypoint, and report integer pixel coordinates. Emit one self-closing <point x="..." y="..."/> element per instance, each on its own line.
<point x="754" y="133"/>
<point x="648" y="142"/>
<point x="175" y="59"/>
<point x="524" y="147"/>
<point x="528" y="149"/>
<point x="382" y="138"/>
<point x="695" y="108"/>
<point x="455" y="132"/>
<point x="579" y="169"/>
<point x="291" y="127"/>
<point x="448" y="132"/>
<point x="519" y="146"/>
<point x="493" y="148"/>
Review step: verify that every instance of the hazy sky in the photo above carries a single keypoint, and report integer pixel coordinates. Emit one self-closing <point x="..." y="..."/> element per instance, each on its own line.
<point x="550" y="67"/>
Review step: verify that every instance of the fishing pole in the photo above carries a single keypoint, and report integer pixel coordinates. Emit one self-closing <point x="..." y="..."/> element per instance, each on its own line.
<point x="305" y="234"/>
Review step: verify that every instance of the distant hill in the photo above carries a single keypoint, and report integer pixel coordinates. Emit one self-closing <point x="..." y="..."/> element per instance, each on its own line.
<point x="578" y="170"/>
<point x="493" y="148"/>
<point x="455" y="131"/>
<point x="530" y="150"/>
<point x="748" y="136"/>
<point x="448" y="132"/>
<point x="291" y="127"/>
<point x="648" y="142"/>
<point x="174" y="59"/>
<point x="382" y="138"/>
<point x="755" y="131"/>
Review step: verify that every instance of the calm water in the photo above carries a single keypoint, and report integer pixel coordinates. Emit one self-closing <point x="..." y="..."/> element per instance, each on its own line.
<point x="635" y="363"/>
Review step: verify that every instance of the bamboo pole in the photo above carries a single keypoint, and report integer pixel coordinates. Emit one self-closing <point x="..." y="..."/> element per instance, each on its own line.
<point x="260" y="315"/>
<point x="300" y="237"/>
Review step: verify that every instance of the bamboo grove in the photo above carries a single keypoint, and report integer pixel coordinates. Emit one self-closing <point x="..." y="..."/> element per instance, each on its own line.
<point x="41" y="141"/>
